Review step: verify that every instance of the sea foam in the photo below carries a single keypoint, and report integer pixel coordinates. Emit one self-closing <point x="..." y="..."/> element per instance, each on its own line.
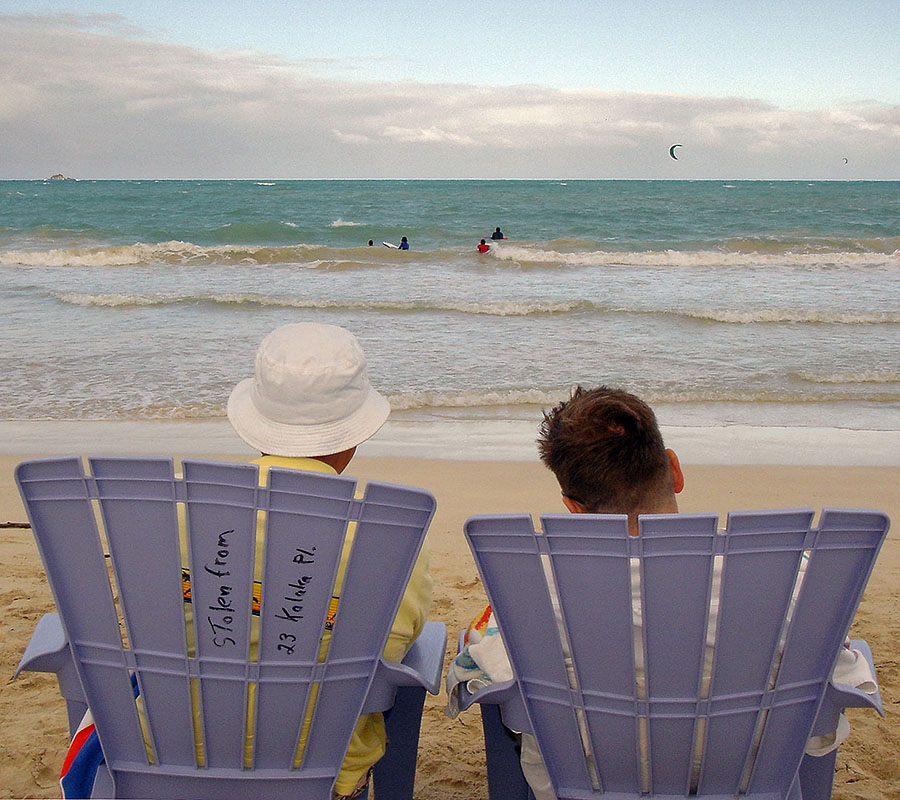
<point x="495" y="308"/>
<point x="739" y="254"/>
<point x="535" y="256"/>
<point x="491" y="308"/>
<point x="343" y="223"/>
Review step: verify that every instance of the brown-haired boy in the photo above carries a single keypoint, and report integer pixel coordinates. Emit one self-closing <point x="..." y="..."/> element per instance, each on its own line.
<point x="607" y="453"/>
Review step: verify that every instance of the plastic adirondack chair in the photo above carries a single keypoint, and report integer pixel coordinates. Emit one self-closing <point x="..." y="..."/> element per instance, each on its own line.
<point x="785" y="593"/>
<point x="306" y="518"/>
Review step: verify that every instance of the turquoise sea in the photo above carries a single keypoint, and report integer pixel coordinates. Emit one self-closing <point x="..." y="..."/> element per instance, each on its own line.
<point x="723" y="303"/>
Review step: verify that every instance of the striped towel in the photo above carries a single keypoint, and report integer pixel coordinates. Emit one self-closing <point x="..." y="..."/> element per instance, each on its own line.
<point x="481" y="661"/>
<point x="84" y="757"/>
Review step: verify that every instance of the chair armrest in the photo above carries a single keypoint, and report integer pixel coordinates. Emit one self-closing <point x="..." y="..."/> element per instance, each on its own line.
<point x="422" y="666"/>
<point x="47" y="650"/>
<point x="426" y="657"/>
<point x="505" y="694"/>
<point x="839" y="696"/>
<point x="850" y="695"/>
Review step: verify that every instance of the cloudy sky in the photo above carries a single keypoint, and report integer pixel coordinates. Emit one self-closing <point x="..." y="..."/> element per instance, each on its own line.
<point x="402" y="89"/>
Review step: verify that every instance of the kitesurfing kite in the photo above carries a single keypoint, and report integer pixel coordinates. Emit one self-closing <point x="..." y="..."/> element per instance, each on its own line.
<point x="672" y="151"/>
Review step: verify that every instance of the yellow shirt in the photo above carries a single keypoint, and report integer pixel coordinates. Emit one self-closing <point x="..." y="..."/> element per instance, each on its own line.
<point x="367" y="744"/>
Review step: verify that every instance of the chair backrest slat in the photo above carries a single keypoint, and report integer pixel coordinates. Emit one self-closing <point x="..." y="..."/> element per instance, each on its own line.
<point x="840" y="562"/>
<point x="220" y="511"/>
<point x="764" y="553"/>
<point x="593" y="576"/>
<point x="137" y="503"/>
<point x="716" y="692"/>
<point x="298" y="583"/>
<point x="509" y="548"/>
<point x="58" y="499"/>
<point x="383" y="555"/>
<point x="677" y="557"/>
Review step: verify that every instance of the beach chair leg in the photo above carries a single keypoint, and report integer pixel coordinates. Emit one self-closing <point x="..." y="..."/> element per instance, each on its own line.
<point x="817" y="776"/>
<point x="395" y="773"/>
<point x="103" y="785"/>
<point x="501" y="751"/>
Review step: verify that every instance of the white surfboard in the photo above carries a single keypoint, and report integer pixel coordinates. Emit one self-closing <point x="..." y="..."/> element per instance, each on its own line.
<point x="392" y="246"/>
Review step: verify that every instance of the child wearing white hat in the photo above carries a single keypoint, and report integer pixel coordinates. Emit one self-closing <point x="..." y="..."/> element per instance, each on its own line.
<point x="310" y="395"/>
<point x="308" y="406"/>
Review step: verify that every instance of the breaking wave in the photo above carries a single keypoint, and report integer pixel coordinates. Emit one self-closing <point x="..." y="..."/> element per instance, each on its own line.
<point x="761" y="316"/>
<point x="414" y="401"/>
<point x="177" y="253"/>
<point x="561" y="253"/>
<point x="851" y="378"/>
<point x="496" y="308"/>
<point x="735" y="257"/>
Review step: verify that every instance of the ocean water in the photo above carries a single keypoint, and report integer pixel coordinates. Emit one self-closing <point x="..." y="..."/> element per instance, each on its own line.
<point x="742" y="303"/>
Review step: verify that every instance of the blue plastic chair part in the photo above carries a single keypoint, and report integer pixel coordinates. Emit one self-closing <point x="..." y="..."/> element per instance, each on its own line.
<point x="394" y="774"/>
<point x="134" y="503"/>
<point x="713" y="688"/>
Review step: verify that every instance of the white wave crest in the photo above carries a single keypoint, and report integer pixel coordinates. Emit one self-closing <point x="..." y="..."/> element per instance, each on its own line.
<point x="474" y="399"/>
<point x="343" y="223"/>
<point x="783" y="396"/>
<point x="108" y="300"/>
<point x="111" y="256"/>
<point x="851" y="378"/>
<point x="523" y="255"/>
<point x="749" y="317"/>
<point x="546" y="398"/>
<point x="499" y="308"/>
<point x="173" y="252"/>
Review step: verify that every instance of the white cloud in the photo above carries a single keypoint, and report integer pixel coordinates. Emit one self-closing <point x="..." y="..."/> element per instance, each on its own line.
<point x="351" y="138"/>
<point x="427" y="135"/>
<point x="94" y="98"/>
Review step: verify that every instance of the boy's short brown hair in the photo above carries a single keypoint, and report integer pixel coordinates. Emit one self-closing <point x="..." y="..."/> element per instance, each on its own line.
<point x="606" y="450"/>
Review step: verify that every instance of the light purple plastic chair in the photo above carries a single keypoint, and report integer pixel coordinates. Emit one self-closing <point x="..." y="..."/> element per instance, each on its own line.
<point x="129" y="506"/>
<point x="743" y="734"/>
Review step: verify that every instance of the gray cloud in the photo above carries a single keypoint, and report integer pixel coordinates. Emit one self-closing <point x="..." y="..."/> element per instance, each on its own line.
<point x="93" y="97"/>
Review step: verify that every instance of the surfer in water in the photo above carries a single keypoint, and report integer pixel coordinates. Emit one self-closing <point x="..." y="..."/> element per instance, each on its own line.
<point x="404" y="245"/>
<point x="497" y="234"/>
<point x="483" y="247"/>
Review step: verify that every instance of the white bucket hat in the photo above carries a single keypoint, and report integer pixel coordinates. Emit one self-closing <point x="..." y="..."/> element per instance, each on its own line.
<point x="310" y="395"/>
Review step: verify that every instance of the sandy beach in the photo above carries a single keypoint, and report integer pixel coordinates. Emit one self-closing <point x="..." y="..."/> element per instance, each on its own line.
<point x="662" y="214"/>
<point x="451" y="760"/>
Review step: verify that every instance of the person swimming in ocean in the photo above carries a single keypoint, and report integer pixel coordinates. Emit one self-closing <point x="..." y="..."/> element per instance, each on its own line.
<point x="483" y="246"/>
<point x="404" y="245"/>
<point x="497" y="234"/>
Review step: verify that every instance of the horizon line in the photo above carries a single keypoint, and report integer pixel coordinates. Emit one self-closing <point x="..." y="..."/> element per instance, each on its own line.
<point x="543" y="180"/>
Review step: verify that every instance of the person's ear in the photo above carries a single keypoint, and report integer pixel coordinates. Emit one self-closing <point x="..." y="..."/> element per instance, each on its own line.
<point x="677" y="474"/>
<point x="573" y="505"/>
